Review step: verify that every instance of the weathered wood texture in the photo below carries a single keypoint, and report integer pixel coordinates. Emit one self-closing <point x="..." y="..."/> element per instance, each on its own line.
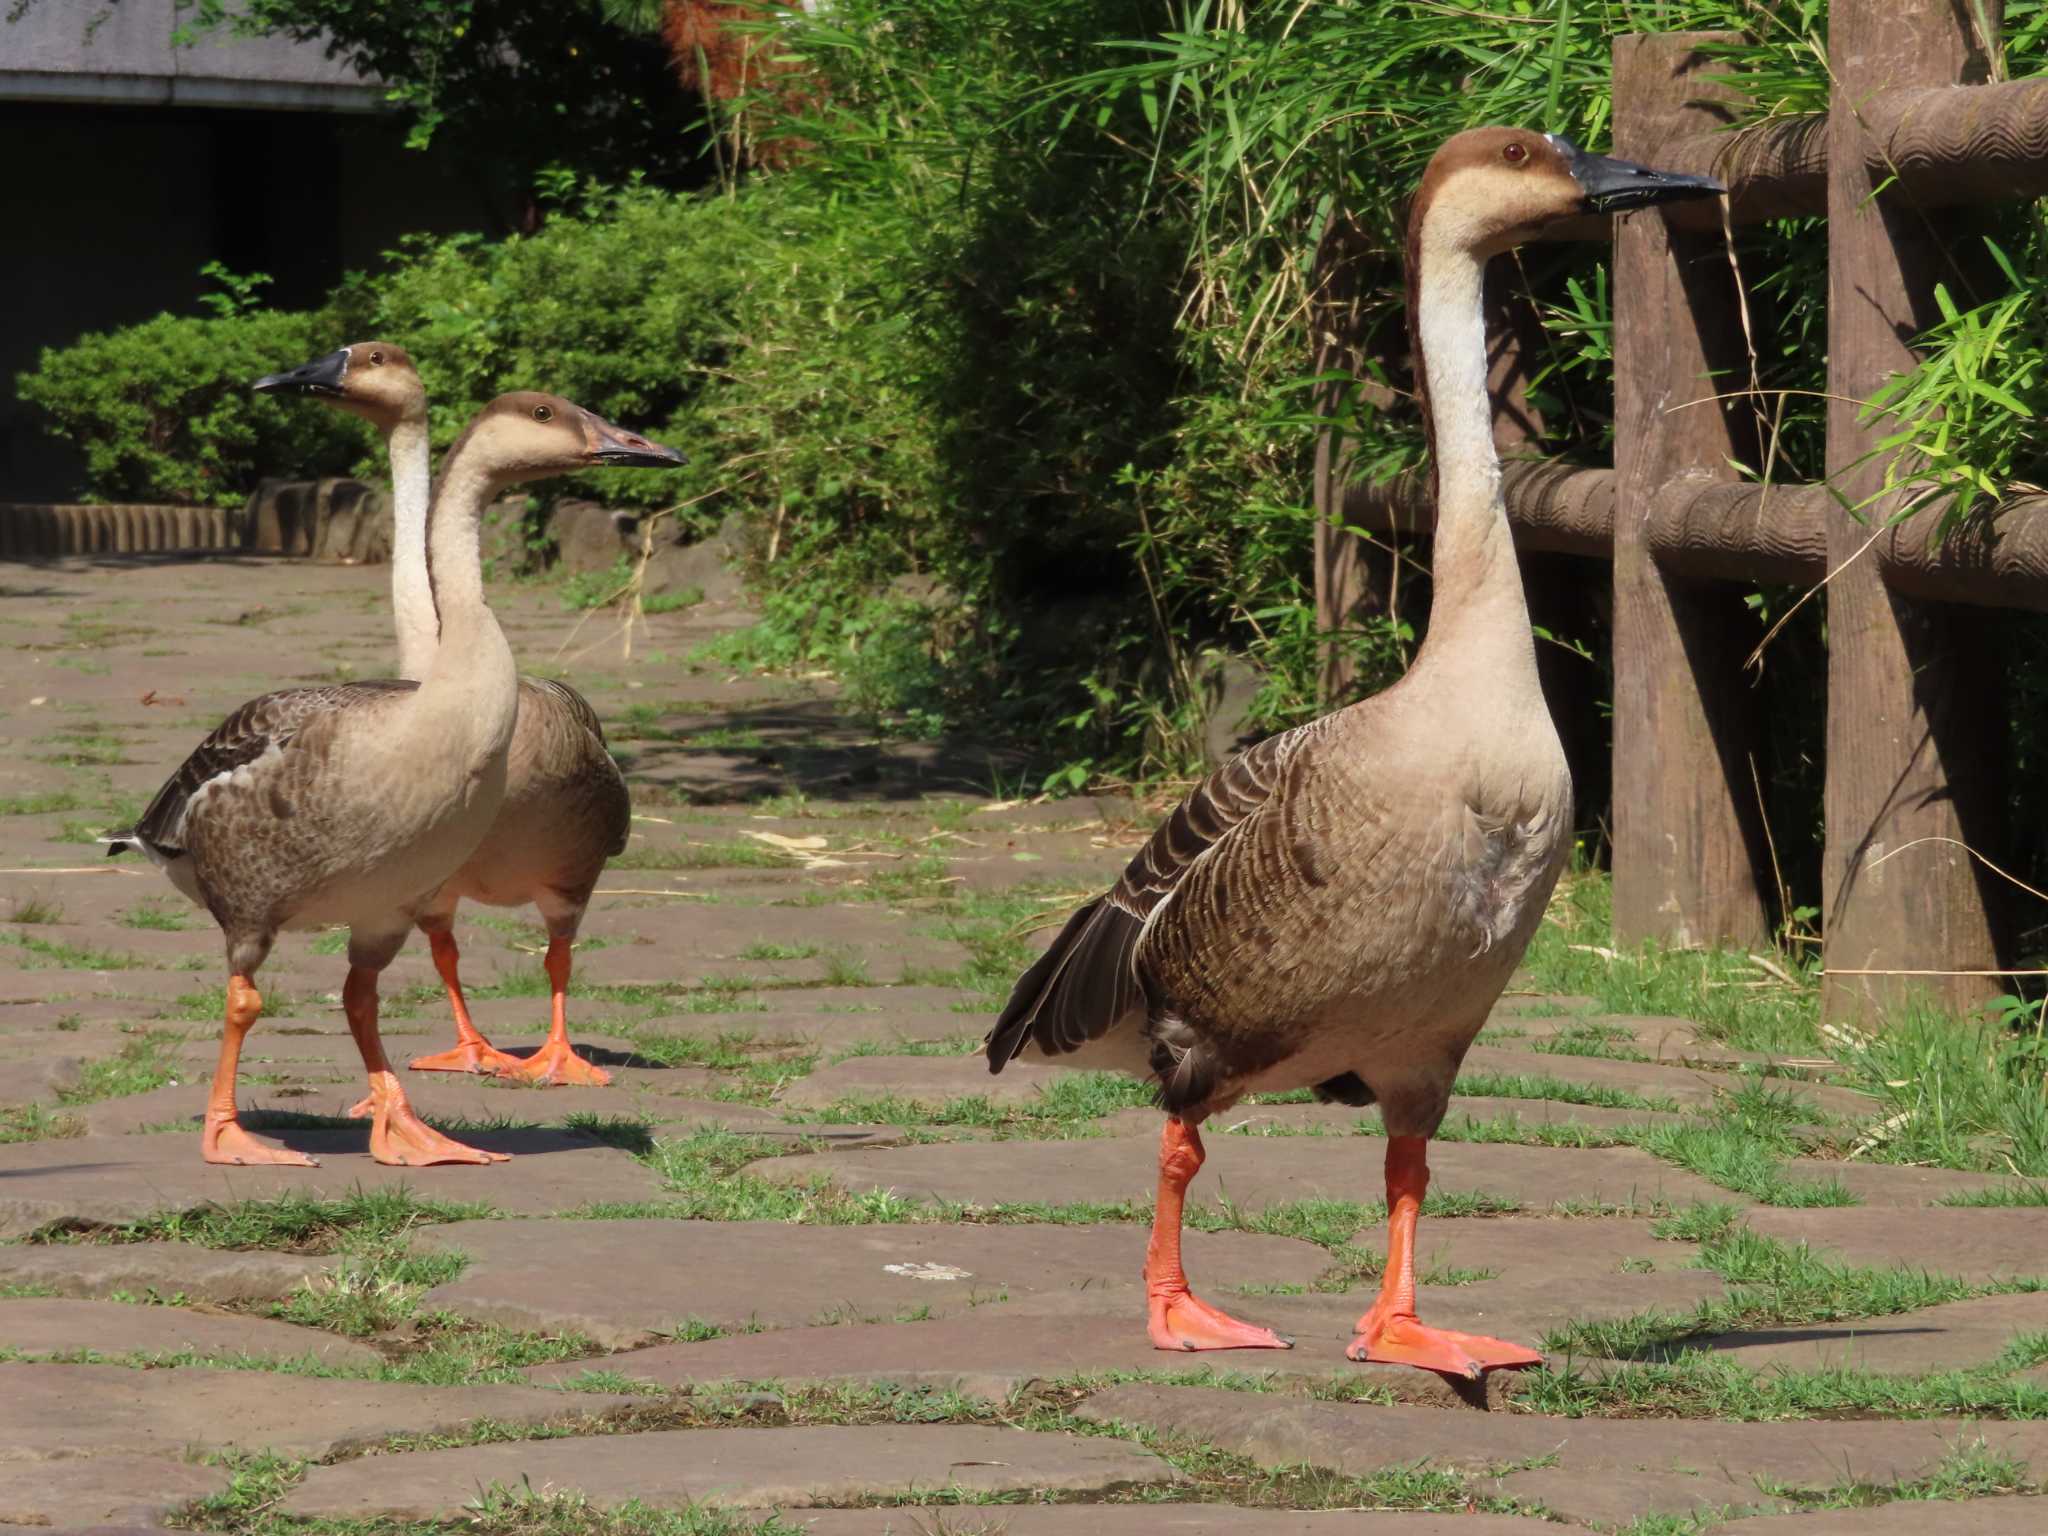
<point x="1689" y="841"/>
<point x="1914" y="746"/>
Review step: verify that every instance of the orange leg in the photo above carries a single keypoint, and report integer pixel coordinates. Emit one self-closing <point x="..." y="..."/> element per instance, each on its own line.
<point x="1175" y="1318"/>
<point x="472" y="1052"/>
<point x="555" y="1062"/>
<point x="1391" y="1332"/>
<point x="224" y="1140"/>
<point x="397" y="1136"/>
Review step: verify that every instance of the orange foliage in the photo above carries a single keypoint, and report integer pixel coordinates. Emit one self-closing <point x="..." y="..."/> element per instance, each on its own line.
<point x="726" y="61"/>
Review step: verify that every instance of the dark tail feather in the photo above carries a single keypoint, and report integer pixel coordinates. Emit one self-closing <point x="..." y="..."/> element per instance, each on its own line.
<point x="118" y="843"/>
<point x="1073" y="992"/>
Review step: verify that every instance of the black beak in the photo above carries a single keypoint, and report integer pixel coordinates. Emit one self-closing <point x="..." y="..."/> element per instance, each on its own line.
<point x="322" y="376"/>
<point x="617" y="448"/>
<point x="1615" y="186"/>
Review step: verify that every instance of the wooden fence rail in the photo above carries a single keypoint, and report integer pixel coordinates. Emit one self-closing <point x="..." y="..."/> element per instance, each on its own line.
<point x="1915" y="750"/>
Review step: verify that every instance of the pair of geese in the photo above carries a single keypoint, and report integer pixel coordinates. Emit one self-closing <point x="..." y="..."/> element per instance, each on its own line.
<point x="1337" y="907"/>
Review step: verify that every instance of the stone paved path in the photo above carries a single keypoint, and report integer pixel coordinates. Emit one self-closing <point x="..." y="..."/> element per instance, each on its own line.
<point x="804" y="1252"/>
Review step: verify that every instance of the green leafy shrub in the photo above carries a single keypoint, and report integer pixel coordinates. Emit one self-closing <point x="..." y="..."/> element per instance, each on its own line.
<point x="163" y="412"/>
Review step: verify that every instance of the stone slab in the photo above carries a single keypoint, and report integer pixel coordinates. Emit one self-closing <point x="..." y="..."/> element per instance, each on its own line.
<point x="624" y="1282"/>
<point x="2019" y="1516"/>
<point x="920" y="1079"/>
<point x="112" y="1179"/>
<point x="1159" y="1520"/>
<point x="1724" y="1461"/>
<point x="1890" y="1184"/>
<point x="34" y="1326"/>
<point x="1253" y="1172"/>
<point x="797" y="1028"/>
<point x="167" y="1269"/>
<point x="734" y="1468"/>
<point x="1954" y="1336"/>
<point x="1979" y="1245"/>
<point x="984" y="1356"/>
<point x="1688" y="1086"/>
<point x="102" y="1490"/>
<point x="52" y="1412"/>
<point x="1619" y="1496"/>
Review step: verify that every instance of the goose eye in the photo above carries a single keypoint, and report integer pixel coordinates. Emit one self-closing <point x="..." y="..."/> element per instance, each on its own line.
<point x="1514" y="154"/>
<point x="377" y="359"/>
<point x="543" y="413"/>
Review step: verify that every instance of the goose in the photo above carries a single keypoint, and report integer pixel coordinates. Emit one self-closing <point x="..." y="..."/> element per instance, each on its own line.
<point x="566" y="809"/>
<point x="1338" y="907"/>
<point x="351" y="803"/>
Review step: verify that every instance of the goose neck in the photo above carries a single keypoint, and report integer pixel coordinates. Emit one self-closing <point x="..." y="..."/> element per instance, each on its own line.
<point x="1477" y="604"/>
<point x="412" y="592"/>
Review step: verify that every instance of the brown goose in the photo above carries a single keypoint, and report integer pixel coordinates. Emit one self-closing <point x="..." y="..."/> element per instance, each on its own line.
<point x="1339" y="906"/>
<point x="566" y="808"/>
<point x="352" y="803"/>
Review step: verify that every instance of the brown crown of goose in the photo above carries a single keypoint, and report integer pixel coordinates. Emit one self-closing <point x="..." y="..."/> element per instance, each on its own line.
<point x="528" y="435"/>
<point x="1491" y="188"/>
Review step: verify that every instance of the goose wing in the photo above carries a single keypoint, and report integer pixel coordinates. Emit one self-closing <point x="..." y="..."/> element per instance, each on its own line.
<point x="262" y="727"/>
<point x="1088" y="980"/>
<point x="597" y="766"/>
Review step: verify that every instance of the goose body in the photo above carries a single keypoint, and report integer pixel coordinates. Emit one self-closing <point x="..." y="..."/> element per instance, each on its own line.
<point x="566" y="810"/>
<point x="1338" y="907"/>
<point x="352" y="803"/>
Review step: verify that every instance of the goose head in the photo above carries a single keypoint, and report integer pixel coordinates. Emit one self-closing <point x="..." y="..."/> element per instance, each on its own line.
<point x="1491" y="188"/>
<point x="527" y="435"/>
<point x="371" y="379"/>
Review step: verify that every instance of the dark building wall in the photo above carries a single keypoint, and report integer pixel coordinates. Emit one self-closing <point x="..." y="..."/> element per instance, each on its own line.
<point x="108" y="213"/>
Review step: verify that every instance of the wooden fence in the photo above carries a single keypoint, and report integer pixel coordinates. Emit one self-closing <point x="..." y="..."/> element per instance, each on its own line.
<point x="1915" y="749"/>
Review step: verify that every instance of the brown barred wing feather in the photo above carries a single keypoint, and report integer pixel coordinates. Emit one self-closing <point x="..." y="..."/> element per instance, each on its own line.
<point x="261" y="726"/>
<point x="1088" y="980"/>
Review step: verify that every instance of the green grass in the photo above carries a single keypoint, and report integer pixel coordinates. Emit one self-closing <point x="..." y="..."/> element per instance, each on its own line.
<point x="1734" y="1159"/>
<point x="153" y="914"/>
<point x="33" y="1122"/>
<point x="1601" y="1041"/>
<point x="1955" y="1093"/>
<point x="298" y="1223"/>
<point x="54" y="953"/>
<point x="35" y="909"/>
<point x="1771" y="1284"/>
<point x="145" y="1061"/>
<point x="1702" y="1384"/>
<point x="1067" y="1105"/>
<point x="736" y="854"/>
<point x="1501" y="1085"/>
<point x="47" y="803"/>
<point x="1716" y="989"/>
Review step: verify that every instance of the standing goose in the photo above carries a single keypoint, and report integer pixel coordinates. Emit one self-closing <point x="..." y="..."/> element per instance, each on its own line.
<point x="566" y="809"/>
<point x="1339" y="906"/>
<point x="351" y="803"/>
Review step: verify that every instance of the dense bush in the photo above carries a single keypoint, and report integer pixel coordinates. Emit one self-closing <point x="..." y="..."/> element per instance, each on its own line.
<point x="162" y="410"/>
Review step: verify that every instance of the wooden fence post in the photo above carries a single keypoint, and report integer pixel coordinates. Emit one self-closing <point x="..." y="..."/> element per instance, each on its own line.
<point x="1915" y="740"/>
<point x="1690" y="862"/>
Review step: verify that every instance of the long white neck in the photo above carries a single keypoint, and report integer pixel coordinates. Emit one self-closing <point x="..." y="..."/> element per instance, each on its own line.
<point x="412" y="593"/>
<point x="1478" y="613"/>
<point x="472" y="683"/>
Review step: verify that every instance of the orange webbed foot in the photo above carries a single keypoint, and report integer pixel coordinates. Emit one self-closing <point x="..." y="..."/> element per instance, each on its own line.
<point x="225" y="1142"/>
<point x="402" y="1139"/>
<point x="554" y="1064"/>
<point x="477" y="1055"/>
<point x="1182" y="1321"/>
<point x="1404" y="1340"/>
